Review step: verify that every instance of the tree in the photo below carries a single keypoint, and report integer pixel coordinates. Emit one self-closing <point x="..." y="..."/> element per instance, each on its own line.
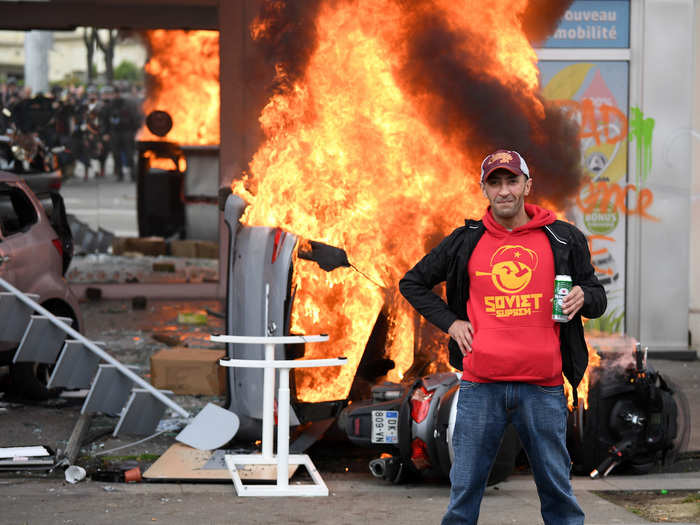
<point x="127" y="70"/>
<point x="107" y="48"/>
<point x="89" y="37"/>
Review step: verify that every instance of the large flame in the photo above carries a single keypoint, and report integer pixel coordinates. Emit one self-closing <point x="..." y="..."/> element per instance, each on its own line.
<point x="350" y="160"/>
<point x="356" y="156"/>
<point x="585" y="384"/>
<point x="183" y="69"/>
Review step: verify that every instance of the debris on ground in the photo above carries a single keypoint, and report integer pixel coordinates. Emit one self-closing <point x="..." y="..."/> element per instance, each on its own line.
<point x="139" y="302"/>
<point x="35" y="457"/>
<point x="167" y="339"/>
<point x="199" y="317"/>
<point x="133" y="475"/>
<point x="74" y="474"/>
<point x="659" y="506"/>
<point x="101" y="268"/>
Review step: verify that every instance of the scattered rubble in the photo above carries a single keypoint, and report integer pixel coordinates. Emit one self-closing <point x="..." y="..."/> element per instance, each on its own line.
<point x="103" y="268"/>
<point x="659" y="506"/>
<point x="74" y="474"/>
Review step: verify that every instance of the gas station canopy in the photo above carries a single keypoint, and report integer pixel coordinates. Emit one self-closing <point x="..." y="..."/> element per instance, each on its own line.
<point x="127" y="14"/>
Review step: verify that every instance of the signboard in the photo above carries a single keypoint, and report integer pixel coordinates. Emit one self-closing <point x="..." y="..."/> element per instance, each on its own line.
<point x="593" y="24"/>
<point x="596" y="95"/>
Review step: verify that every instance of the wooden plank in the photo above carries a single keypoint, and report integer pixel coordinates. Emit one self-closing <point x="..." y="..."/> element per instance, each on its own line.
<point x="185" y="463"/>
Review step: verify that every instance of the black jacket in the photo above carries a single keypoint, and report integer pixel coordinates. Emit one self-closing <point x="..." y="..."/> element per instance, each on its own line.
<point x="448" y="262"/>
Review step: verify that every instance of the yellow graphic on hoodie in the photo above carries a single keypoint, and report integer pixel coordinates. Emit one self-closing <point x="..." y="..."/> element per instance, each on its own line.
<point x="512" y="267"/>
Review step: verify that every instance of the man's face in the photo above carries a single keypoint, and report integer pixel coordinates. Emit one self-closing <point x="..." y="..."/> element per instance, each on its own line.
<point x="506" y="192"/>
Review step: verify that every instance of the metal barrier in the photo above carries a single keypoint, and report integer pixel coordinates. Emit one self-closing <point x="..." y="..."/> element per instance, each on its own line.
<point x="114" y="388"/>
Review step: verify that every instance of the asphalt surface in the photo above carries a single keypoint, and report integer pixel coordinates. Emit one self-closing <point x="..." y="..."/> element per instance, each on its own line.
<point x="102" y="203"/>
<point x="355" y="496"/>
<point x="353" y="499"/>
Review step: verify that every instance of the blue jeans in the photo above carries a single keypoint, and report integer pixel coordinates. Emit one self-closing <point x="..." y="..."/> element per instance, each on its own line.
<point x="539" y="415"/>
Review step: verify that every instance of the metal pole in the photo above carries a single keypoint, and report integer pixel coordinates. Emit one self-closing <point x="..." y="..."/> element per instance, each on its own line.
<point x="268" y="402"/>
<point x="94" y="348"/>
<point x="268" y="386"/>
<point x="283" y="430"/>
<point x="266" y="331"/>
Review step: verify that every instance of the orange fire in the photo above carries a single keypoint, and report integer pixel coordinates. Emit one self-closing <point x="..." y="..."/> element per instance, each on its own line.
<point x="184" y="73"/>
<point x="350" y="160"/>
<point x="165" y="163"/>
<point x="585" y="384"/>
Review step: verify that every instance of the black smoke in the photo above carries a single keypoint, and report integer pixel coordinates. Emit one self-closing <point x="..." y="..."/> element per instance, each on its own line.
<point x="444" y="70"/>
<point x="287" y="36"/>
<point x="541" y="18"/>
<point x="453" y="75"/>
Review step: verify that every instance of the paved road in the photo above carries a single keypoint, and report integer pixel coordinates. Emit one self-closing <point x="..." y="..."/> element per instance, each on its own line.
<point x="353" y="499"/>
<point x="356" y="497"/>
<point x="103" y="203"/>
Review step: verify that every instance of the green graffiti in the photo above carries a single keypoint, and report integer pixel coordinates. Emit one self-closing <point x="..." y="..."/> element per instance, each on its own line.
<point x="641" y="130"/>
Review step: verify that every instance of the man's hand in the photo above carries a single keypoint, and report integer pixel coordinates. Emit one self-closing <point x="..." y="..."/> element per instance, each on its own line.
<point x="572" y="303"/>
<point x="463" y="333"/>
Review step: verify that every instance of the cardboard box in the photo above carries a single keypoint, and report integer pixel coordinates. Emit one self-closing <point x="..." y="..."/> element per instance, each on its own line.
<point x="194" y="249"/>
<point x="119" y="245"/>
<point x="191" y="371"/>
<point x="208" y="250"/>
<point x="183" y="248"/>
<point x="142" y="245"/>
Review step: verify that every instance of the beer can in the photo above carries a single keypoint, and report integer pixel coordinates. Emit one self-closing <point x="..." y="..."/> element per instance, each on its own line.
<point x="562" y="287"/>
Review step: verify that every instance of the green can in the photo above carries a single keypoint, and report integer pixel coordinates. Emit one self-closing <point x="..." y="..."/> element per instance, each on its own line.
<point x="562" y="287"/>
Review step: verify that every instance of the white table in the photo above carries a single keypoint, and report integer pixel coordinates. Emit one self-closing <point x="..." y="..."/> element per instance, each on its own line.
<point x="282" y="459"/>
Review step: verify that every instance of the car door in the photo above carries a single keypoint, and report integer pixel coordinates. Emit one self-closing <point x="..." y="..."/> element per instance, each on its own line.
<point x="21" y="249"/>
<point x="6" y="270"/>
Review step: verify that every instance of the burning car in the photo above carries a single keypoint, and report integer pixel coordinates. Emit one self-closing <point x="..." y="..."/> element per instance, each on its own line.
<point x="300" y="272"/>
<point x="413" y="421"/>
<point x="260" y="256"/>
<point x="629" y="416"/>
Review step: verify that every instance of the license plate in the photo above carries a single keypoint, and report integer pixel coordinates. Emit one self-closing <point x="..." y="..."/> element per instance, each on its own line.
<point x="385" y="426"/>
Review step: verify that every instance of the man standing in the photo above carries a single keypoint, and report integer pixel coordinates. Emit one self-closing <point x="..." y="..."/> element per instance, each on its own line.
<point x="122" y="122"/>
<point x="499" y="275"/>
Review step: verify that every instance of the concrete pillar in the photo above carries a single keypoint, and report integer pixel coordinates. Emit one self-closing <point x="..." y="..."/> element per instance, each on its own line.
<point x="694" y="277"/>
<point x="661" y="244"/>
<point x="245" y="78"/>
<point x="36" y="60"/>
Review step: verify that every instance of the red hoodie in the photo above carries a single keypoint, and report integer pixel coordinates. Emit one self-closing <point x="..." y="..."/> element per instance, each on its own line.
<point x="511" y="284"/>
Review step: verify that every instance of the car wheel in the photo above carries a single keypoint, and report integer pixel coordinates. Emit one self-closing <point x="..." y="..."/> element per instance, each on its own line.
<point x="28" y="381"/>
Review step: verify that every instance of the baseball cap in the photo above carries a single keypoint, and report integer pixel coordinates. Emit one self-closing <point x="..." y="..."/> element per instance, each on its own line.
<point x="506" y="160"/>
